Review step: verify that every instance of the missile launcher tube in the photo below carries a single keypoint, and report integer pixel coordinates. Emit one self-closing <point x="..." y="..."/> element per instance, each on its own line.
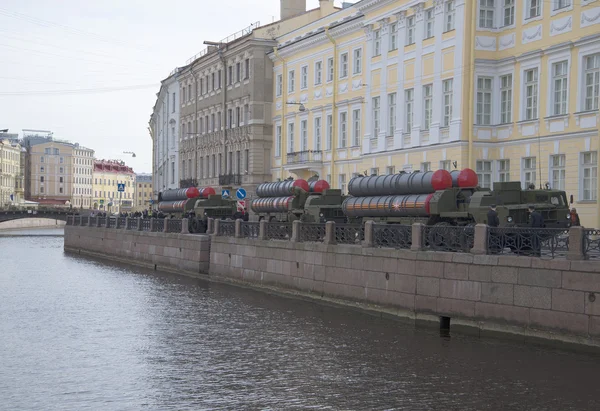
<point x="179" y="194"/>
<point x="281" y="188"/>
<point x="400" y="184"/>
<point x="179" y="206"/>
<point x="466" y="178"/>
<point x="318" y="186"/>
<point x="411" y="205"/>
<point x="271" y="204"/>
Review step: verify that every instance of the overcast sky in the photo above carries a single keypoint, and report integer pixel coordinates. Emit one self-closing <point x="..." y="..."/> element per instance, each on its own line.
<point x="61" y="61"/>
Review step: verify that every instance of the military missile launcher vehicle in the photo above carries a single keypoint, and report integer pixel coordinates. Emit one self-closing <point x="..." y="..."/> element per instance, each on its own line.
<point x="292" y="200"/>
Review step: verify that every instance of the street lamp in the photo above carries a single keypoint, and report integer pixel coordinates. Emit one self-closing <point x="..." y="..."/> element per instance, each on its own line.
<point x="301" y="108"/>
<point x="129" y="152"/>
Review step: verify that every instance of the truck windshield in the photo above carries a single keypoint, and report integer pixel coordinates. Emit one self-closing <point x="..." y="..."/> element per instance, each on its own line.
<point x="557" y="200"/>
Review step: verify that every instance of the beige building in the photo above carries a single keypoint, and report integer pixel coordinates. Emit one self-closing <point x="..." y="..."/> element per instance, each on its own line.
<point x="60" y="174"/>
<point x="143" y="192"/>
<point x="11" y="178"/>
<point x="108" y="175"/>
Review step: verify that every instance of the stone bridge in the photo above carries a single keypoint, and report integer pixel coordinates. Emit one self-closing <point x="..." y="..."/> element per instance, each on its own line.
<point x="52" y="214"/>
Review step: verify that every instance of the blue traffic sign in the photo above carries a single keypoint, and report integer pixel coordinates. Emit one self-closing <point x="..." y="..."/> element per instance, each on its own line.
<point x="240" y="193"/>
<point x="121" y="187"/>
<point x="225" y="193"/>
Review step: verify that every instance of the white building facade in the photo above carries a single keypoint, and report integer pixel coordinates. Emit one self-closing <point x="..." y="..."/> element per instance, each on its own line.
<point x="164" y="128"/>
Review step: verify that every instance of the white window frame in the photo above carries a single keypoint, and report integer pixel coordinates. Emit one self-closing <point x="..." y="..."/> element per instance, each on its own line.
<point x="278" y="140"/>
<point x="356" y="125"/>
<point x="592" y="166"/>
<point x="392" y="101"/>
<point x="377" y="43"/>
<point x="557" y="171"/>
<point x="486" y="16"/>
<point x="427" y="106"/>
<point x="528" y="172"/>
<point x="446" y="165"/>
<point x="329" y="131"/>
<point x="448" y="90"/>
<point x="506" y="100"/>
<point x="483" y="118"/>
<point x="531" y="94"/>
<point x="425" y="166"/>
<point x="357" y="61"/>
<point x="291" y="81"/>
<point x="508" y="13"/>
<point x="303" y="77"/>
<point x="559" y="88"/>
<point x="449" y="15"/>
<point x="330" y="69"/>
<point x="343" y="132"/>
<point x="304" y="135"/>
<point x="561" y="6"/>
<point x="290" y="137"/>
<point x="590" y="91"/>
<point x="376" y="104"/>
<point x="410" y="30"/>
<point x="344" y="61"/>
<point x="342" y="182"/>
<point x="279" y="84"/>
<point x="318" y="122"/>
<point x="393" y="40"/>
<point x="318" y="72"/>
<point x="529" y="7"/>
<point x="485" y="171"/>
<point x="429" y="21"/>
<point x="409" y="101"/>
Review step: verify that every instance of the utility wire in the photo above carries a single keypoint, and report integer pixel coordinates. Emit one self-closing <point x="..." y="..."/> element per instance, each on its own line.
<point x="77" y="91"/>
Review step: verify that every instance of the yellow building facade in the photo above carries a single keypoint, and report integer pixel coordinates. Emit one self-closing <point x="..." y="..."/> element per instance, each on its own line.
<point x="108" y="174"/>
<point x="143" y="192"/>
<point x="384" y="86"/>
<point x="11" y="178"/>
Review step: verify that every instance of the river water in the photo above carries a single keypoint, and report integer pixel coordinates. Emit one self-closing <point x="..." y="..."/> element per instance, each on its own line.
<point x="82" y="334"/>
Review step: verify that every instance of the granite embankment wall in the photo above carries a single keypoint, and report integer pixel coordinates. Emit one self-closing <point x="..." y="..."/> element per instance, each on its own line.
<point x="185" y="253"/>
<point x="524" y="296"/>
<point x="31" y="223"/>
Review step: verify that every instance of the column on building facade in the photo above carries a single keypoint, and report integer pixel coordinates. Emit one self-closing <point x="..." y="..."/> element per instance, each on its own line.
<point x="400" y="109"/>
<point x="437" y="112"/>
<point x="366" y="146"/>
<point x="415" y="138"/>
<point x="459" y="70"/>
<point x="383" y="96"/>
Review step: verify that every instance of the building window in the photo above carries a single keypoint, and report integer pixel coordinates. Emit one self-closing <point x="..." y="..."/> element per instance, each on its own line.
<point x="291" y="81"/>
<point x="557" y="171"/>
<point x="375" y="116"/>
<point x="409" y="96"/>
<point x="410" y="30"/>
<point x="356" y="128"/>
<point x="182" y="94"/>
<point x="484" y="173"/>
<point x="330" y="69"/>
<point x="279" y="85"/>
<point x="62" y="160"/>
<point x="247" y="69"/>
<point x="509" y="12"/>
<point x="446" y="165"/>
<point x="189" y="92"/>
<point x="559" y="84"/>
<point x="486" y="14"/>
<point x="344" y="65"/>
<point x="592" y="81"/>
<point x="304" y="134"/>
<point x="238" y="116"/>
<point x="41" y="179"/>
<point x="425" y="166"/>
<point x="377" y="43"/>
<point x="304" y="77"/>
<point x="375" y="171"/>
<point x="427" y="106"/>
<point x="41" y="189"/>
<point x="173" y="110"/>
<point x="531" y="94"/>
<point x="343" y="129"/>
<point x="342" y="182"/>
<point x="390" y="170"/>
<point x="318" y="72"/>
<point x="290" y="138"/>
<point x="329" y="131"/>
<point x="529" y="172"/>
<point x="561" y="4"/>
<point x="230" y="75"/>
<point x="533" y="8"/>
<point x="229" y="118"/>
<point x="429" y="23"/>
<point x="357" y="63"/>
<point x="589" y="172"/>
<point x="449" y="15"/>
<point x="219" y="80"/>
<point x="391" y="114"/>
<point x="238" y="72"/>
<point x="317" y="133"/>
<point x="393" y="37"/>
<point x="484" y="101"/>
<point x="447" y="87"/>
<point x="506" y="99"/>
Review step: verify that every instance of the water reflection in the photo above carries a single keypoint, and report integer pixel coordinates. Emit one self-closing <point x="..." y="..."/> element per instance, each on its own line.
<point x="79" y="333"/>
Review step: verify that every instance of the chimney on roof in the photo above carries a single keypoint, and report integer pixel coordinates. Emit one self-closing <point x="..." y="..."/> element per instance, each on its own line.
<point x="291" y="8"/>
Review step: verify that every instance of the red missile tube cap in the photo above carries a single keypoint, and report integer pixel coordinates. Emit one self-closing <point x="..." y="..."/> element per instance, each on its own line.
<point x="441" y="180"/>
<point x="207" y="191"/>
<point x="468" y="178"/>
<point x="192" y="192"/>
<point x="301" y="184"/>
<point x="321" y="186"/>
<point x="428" y="203"/>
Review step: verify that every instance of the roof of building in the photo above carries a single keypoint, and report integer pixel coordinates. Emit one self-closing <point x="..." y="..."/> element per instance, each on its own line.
<point x="112" y="166"/>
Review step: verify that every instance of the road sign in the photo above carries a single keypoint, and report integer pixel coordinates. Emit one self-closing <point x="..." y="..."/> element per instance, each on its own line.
<point x="225" y="193"/>
<point x="240" y="193"/>
<point x="101" y="201"/>
<point x="121" y="187"/>
<point x="241" y="205"/>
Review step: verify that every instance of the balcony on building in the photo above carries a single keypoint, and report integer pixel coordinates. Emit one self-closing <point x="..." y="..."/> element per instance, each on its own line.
<point x="230" y="179"/>
<point x="304" y="159"/>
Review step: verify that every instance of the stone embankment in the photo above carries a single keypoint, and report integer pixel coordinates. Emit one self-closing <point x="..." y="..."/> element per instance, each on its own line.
<point x="31" y="223"/>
